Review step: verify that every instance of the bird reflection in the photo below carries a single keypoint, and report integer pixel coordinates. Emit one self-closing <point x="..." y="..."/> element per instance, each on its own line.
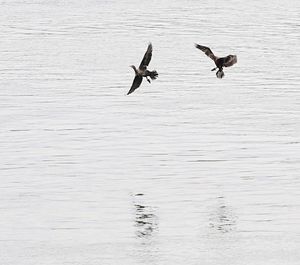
<point x="146" y="221"/>
<point x="223" y="220"/>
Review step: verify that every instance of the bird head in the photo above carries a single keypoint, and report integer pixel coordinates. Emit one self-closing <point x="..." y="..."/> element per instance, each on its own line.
<point x="233" y="57"/>
<point x="134" y="68"/>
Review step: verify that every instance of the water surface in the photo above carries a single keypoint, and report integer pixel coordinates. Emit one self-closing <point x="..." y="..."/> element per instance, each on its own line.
<point x="188" y="170"/>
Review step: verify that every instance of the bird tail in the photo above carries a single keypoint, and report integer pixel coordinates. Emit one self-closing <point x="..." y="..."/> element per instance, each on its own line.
<point x="153" y="75"/>
<point x="220" y="74"/>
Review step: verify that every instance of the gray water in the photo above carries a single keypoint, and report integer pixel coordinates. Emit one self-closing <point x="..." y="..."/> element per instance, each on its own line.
<point x="190" y="169"/>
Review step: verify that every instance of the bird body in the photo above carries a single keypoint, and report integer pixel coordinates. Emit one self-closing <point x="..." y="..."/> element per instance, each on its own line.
<point x="142" y="71"/>
<point x="220" y="62"/>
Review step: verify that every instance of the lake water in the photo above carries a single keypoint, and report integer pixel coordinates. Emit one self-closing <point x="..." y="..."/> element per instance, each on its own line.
<point x="189" y="169"/>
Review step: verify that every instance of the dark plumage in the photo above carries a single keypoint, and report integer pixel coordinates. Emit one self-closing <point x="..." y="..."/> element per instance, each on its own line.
<point x="142" y="71"/>
<point x="219" y="61"/>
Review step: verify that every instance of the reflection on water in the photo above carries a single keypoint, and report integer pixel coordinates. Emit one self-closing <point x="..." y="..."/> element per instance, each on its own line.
<point x="146" y="221"/>
<point x="146" y="227"/>
<point x="222" y="218"/>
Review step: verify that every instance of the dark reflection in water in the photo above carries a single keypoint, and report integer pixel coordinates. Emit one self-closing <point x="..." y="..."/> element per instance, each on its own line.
<point x="222" y="219"/>
<point x="146" y="221"/>
<point x="146" y="250"/>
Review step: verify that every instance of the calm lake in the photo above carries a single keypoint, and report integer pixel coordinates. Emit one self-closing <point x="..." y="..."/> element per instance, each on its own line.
<point x="189" y="169"/>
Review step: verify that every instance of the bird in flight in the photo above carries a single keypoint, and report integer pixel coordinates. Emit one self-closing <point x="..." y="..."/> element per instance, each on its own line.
<point x="219" y="61"/>
<point x="142" y="71"/>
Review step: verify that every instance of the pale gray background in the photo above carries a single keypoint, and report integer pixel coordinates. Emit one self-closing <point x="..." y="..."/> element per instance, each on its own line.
<point x="188" y="170"/>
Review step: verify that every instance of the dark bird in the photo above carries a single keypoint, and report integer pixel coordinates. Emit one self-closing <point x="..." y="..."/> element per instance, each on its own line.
<point x="219" y="61"/>
<point x="142" y="71"/>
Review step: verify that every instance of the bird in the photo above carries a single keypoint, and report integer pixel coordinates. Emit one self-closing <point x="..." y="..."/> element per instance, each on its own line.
<point x="220" y="62"/>
<point x="142" y="70"/>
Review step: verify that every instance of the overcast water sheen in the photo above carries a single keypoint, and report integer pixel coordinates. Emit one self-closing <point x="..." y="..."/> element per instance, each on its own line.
<point x="189" y="169"/>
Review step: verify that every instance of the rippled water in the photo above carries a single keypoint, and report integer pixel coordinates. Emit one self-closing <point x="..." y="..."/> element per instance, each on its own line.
<point x="188" y="170"/>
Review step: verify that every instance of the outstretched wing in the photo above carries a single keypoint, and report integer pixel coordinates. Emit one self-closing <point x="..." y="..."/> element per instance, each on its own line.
<point x="230" y="60"/>
<point x="207" y="51"/>
<point x="136" y="83"/>
<point x="147" y="57"/>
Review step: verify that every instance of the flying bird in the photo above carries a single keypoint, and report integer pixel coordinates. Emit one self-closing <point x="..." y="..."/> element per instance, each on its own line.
<point x="142" y="71"/>
<point x="219" y="61"/>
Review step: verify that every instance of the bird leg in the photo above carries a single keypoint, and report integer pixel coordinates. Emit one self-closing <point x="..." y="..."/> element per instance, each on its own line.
<point x="214" y="69"/>
<point x="148" y="79"/>
<point x="220" y="73"/>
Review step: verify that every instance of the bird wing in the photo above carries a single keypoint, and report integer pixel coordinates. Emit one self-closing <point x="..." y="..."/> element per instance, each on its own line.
<point x="207" y="51"/>
<point x="147" y="57"/>
<point x="230" y="60"/>
<point x="135" y="84"/>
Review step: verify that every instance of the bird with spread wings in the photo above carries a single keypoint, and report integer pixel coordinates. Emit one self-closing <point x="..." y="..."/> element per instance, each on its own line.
<point x="142" y="71"/>
<point x="219" y="61"/>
